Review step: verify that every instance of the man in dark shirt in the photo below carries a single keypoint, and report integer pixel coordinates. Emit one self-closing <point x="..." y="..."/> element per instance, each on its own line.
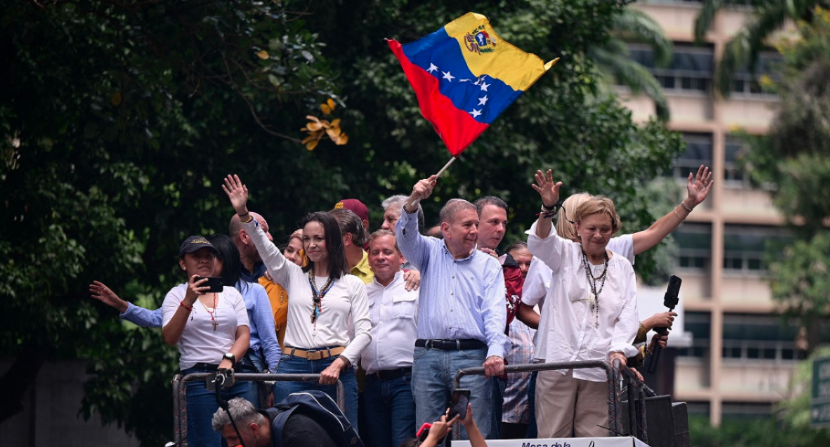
<point x="255" y="427"/>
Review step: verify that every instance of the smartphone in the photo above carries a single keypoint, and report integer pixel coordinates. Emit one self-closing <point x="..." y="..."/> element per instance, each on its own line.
<point x="214" y="282"/>
<point x="458" y="404"/>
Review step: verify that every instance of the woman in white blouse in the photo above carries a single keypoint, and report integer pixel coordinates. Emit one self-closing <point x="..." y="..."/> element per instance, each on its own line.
<point x="327" y="304"/>
<point x="593" y="307"/>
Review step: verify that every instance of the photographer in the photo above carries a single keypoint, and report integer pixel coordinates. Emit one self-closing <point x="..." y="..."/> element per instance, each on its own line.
<point x="211" y="329"/>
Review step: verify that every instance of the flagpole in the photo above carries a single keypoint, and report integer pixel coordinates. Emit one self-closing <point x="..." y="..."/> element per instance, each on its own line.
<point x="445" y="167"/>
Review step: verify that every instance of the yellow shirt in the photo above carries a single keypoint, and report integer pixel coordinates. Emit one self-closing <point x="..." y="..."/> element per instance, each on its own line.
<point x="279" y="305"/>
<point x="362" y="269"/>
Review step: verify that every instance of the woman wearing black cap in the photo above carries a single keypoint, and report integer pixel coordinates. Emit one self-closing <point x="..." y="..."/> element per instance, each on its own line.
<point x="212" y="331"/>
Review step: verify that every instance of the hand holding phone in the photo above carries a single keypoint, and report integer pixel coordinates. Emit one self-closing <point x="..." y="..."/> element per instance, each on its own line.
<point x="458" y="404"/>
<point x="214" y="282"/>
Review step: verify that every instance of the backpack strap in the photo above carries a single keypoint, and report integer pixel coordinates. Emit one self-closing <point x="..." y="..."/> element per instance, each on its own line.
<point x="278" y="426"/>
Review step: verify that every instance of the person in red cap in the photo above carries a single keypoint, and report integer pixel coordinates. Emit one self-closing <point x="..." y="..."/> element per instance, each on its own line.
<point x="357" y="207"/>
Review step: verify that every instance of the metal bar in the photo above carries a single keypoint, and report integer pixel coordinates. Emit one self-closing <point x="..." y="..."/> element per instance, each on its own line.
<point x="479" y="371"/>
<point x="614" y="401"/>
<point x="180" y="395"/>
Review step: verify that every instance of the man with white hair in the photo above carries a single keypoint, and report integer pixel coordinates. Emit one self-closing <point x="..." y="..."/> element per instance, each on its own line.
<point x="256" y="430"/>
<point x="461" y="311"/>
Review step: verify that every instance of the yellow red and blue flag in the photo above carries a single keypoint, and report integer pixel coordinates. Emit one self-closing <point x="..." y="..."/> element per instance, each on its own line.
<point x="465" y="76"/>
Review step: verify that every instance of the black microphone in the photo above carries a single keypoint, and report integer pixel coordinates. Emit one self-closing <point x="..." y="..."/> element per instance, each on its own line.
<point x="670" y="300"/>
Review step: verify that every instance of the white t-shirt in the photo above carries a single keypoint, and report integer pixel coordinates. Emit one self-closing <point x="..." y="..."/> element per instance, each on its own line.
<point x="344" y="316"/>
<point x="200" y="343"/>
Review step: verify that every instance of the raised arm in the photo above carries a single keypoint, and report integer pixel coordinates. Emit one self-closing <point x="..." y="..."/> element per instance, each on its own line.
<point x="128" y="311"/>
<point x="697" y="188"/>
<point x="271" y="256"/>
<point x="549" y="192"/>
<point x="412" y="244"/>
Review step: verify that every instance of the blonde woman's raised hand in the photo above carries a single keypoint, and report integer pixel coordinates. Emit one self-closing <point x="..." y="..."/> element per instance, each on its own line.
<point x="547" y="188"/>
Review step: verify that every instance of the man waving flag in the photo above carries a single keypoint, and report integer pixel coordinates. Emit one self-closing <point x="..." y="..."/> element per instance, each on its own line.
<point x="465" y="75"/>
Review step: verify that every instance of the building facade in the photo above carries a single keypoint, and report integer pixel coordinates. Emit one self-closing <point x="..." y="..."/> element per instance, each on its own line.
<point x="741" y="356"/>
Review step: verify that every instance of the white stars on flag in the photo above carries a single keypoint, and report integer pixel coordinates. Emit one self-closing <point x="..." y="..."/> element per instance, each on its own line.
<point x="448" y="76"/>
<point x="484" y="86"/>
<point x="475" y="113"/>
<point x="482" y="101"/>
<point x="431" y="68"/>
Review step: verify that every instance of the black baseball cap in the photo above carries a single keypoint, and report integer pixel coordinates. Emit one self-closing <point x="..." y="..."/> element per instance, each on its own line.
<point x="195" y="243"/>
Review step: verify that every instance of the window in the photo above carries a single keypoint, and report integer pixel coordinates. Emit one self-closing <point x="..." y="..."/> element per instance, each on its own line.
<point x="744" y="246"/>
<point x="731" y="171"/>
<point x="691" y="67"/>
<point x="745" y="82"/>
<point x="698" y="152"/>
<point x="699" y="324"/>
<point x="761" y="338"/>
<point x="695" y="246"/>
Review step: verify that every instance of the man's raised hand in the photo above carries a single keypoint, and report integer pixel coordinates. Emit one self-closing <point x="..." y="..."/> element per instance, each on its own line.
<point x="238" y="193"/>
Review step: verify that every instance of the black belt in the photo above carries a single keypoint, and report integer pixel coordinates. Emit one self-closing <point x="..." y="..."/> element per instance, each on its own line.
<point x="450" y="345"/>
<point x="206" y="366"/>
<point x="391" y="374"/>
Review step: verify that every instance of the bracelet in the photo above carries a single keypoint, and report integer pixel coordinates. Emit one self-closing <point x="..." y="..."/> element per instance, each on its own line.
<point x="685" y="207"/>
<point x="549" y="210"/>
<point x="250" y="218"/>
<point x="678" y="215"/>
<point x="182" y="304"/>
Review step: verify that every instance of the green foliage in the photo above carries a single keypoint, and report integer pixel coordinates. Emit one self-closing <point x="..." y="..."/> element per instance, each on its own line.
<point x="120" y="120"/>
<point x="741" y="52"/>
<point x="788" y="426"/>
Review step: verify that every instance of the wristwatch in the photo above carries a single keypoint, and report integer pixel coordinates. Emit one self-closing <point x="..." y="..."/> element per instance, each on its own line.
<point x="231" y="357"/>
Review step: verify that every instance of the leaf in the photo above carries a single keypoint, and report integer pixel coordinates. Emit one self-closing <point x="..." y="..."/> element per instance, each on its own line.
<point x="342" y="140"/>
<point x="325" y="109"/>
<point x="262" y="54"/>
<point x="335" y="123"/>
<point x="314" y="126"/>
<point x="331" y="104"/>
<point x="333" y="132"/>
<point x="311" y="144"/>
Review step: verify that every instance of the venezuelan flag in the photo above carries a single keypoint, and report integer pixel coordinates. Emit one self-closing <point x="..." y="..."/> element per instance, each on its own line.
<point x="465" y="75"/>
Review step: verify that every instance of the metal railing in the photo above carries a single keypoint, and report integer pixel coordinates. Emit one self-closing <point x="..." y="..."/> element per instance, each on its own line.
<point x="618" y="375"/>
<point x="180" y="395"/>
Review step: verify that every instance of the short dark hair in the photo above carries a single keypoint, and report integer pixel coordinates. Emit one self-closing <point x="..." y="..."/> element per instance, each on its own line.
<point x="516" y="246"/>
<point x="350" y="223"/>
<point x="334" y="243"/>
<point x="489" y="200"/>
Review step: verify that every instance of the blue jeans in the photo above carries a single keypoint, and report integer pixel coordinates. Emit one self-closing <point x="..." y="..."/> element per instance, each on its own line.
<point x="252" y="362"/>
<point x="433" y="372"/>
<point x="390" y="411"/>
<point x="298" y="365"/>
<point x="201" y="405"/>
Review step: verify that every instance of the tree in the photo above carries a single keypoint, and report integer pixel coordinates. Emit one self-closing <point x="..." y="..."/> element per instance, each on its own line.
<point x="742" y="51"/>
<point x="792" y="163"/>
<point x="119" y="119"/>
<point x="614" y="61"/>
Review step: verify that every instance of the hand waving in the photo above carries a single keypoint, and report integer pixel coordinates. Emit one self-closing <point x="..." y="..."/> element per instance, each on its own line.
<point x="698" y="186"/>
<point x="238" y="193"/>
<point x="547" y="188"/>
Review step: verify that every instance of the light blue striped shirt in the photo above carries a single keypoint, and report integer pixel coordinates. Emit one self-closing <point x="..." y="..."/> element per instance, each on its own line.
<point x="460" y="298"/>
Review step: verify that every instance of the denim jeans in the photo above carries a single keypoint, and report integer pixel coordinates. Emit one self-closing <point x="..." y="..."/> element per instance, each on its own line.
<point x="298" y="365"/>
<point x="390" y="411"/>
<point x="201" y="405"/>
<point x="433" y="373"/>
<point x="252" y="362"/>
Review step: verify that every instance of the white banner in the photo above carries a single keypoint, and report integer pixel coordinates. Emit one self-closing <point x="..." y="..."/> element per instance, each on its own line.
<point x="621" y="441"/>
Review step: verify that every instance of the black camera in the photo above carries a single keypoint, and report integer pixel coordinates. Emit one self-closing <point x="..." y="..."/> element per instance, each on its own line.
<point x="222" y="379"/>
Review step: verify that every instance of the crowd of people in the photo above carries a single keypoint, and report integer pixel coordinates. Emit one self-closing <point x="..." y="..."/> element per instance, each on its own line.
<point x="395" y="313"/>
